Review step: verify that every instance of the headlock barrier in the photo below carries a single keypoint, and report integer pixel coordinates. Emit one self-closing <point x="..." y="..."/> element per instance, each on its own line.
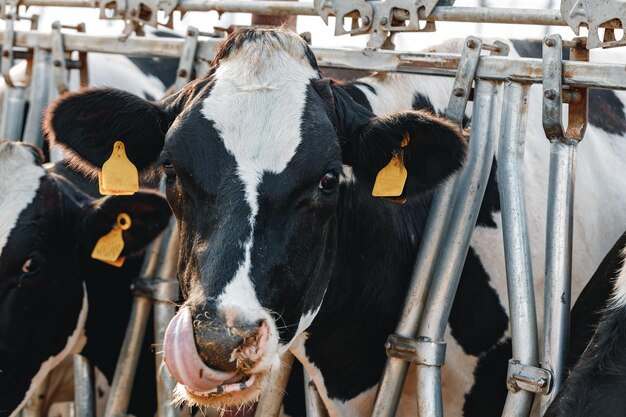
<point x="498" y="87"/>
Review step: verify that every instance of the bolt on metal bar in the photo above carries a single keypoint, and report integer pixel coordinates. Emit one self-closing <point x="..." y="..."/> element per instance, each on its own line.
<point x="187" y="58"/>
<point x="394" y="374"/>
<point x="121" y="387"/>
<point x="13" y="108"/>
<point x="164" y="311"/>
<point x="516" y="241"/>
<point x="271" y="398"/>
<point x="39" y="94"/>
<point x="84" y="387"/>
<point x="470" y="190"/>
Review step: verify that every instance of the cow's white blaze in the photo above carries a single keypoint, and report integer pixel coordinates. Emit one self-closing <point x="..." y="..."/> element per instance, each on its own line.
<point x="256" y="105"/>
<point x="75" y="343"/>
<point x="19" y="182"/>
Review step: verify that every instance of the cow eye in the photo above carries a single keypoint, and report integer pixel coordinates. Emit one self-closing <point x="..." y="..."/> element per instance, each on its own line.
<point x="170" y="172"/>
<point x="329" y="182"/>
<point x="32" y="265"/>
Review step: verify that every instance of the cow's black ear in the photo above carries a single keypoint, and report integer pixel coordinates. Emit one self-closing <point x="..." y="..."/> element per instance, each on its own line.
<point x="87" y="124"/>
<point x="148" y="211"/>
<point x="432" y="147"/>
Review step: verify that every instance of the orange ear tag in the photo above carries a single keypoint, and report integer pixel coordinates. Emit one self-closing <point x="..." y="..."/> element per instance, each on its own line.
<point x="109" y="247"/>
<point x="118" y="176"/>
<point x="391" y="179"/>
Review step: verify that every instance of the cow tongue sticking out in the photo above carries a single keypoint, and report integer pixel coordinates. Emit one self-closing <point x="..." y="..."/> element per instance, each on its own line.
<point x="186" y="366"/>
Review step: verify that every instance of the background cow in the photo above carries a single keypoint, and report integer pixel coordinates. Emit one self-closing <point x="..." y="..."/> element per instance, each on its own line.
<point x="50" y="223"/>
<point x="267" y="164"/>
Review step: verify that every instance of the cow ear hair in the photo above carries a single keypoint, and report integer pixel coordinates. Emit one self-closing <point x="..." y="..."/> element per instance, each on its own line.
<point x="149" y="213"/>
<point x="87" y="123"/>
<point x="436" y="146"/>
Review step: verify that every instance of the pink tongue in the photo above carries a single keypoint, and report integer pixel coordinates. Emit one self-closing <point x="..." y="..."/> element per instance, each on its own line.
<point x="182" y="359"/>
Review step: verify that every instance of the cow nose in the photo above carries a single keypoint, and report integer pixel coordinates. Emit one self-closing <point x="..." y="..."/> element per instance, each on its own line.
<point x="229" y="345"/>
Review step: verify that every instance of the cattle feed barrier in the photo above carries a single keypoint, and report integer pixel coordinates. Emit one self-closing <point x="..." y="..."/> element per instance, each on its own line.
<point x="440" y="261"/>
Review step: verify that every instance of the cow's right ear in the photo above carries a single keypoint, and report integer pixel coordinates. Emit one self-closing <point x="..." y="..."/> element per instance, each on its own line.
<point x="87" y="124"/>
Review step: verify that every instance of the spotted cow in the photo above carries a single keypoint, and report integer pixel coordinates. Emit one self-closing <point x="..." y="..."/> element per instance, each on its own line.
<point x="52" y="294"/>
<point x="270" y="170"/>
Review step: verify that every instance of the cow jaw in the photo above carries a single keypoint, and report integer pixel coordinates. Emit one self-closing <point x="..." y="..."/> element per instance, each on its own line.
<point x="201" y="385"/>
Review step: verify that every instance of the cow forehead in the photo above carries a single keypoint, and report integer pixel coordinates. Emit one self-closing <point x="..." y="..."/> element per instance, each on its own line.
<point x="20" y="178"/>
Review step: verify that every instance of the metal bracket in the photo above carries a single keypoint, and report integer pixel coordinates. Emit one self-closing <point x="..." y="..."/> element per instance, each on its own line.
<point x="138" y="12"/>
<point x="528" y="378"/>
<point x="593" y="15"/>
<point x="7" y="50"/>
<point x="156" y="289"/>
<point x="187" y="58"/>
<point x="422" y="351"/>
<point x="554" y="96"/>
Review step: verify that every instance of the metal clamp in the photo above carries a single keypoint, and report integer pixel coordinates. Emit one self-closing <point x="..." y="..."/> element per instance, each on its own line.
<point x="422" y="351"/>
<point x="156" y="289"/>
<point x="554" y="96"/>
<point x="528" y="378"/>
<point x="593" y="15"/>
<point x="187" y="58"/>
<point x="341" y="9"/>
<point x="139" y="12"/>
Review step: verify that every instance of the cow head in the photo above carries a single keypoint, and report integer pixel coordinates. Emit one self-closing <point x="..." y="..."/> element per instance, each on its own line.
<point x="254" y="154"/>
<point x="47" y="227"/>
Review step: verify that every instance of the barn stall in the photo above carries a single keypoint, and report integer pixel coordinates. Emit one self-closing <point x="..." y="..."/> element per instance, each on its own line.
<point x="482" y="74"/>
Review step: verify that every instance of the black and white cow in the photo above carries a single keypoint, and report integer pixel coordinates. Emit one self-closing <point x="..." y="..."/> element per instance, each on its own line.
<point x="49" y="225"/>
<point x="595" y="386"/>
<point x="270" y="172"/>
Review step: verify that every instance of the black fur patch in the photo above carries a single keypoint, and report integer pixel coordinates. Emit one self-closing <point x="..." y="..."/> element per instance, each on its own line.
<point x="487" y="396"/>
<point x="357" y="94"/>
<point x="477" y="319"/>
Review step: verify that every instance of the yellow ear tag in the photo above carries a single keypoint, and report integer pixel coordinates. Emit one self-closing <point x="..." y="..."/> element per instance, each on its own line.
<point x="110" y="246"/>
<point x="391" y="179"/>
<point x="118" y="176"/>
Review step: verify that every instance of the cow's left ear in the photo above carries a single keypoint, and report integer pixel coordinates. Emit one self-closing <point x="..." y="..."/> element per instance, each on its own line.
<point x="431" y="147"/>
<point x="148" y="211"/>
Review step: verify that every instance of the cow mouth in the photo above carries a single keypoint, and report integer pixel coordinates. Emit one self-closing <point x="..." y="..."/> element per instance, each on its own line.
<point x="199" y="384"/>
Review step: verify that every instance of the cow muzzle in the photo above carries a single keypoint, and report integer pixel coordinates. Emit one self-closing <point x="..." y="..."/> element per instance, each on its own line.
<point x="218" y="361"/>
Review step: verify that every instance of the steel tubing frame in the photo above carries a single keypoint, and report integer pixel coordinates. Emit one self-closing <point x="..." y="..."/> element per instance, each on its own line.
<point x="516" y="242"/>
<point x="470" y="190"/>
<point x="559" y="239"/>
<point x="271" y="398"/>
<point x="394" y="373"/>
<point x="84" y="387"/>
<point x="38" y="97"/>
<point x="13" y="108"/>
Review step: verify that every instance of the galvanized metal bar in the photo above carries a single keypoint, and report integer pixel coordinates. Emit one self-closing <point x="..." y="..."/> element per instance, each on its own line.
<point x="394" y="374"/>
<point x="271" y="398"/>
<point x="187" y="58"/>
<point x="84" y="387"/>
<point x="557" y="299"/>
<point x="516" y="240"/>
<point x="525" y="70"/>
<point x="13" y="108"/>
<point x="164" y="311"/>
<point x="121" y="387"/>
<point x="58" y="54"/>
<point x="470" y="190"/>
<point x="38" y="98"/>
<point x="313" y="401"/>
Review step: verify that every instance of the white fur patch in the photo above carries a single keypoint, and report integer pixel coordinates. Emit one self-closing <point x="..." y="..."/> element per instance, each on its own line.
<point x="75" y="343"/>
<point x="619" y="286"/>
<point x="348" y="175"/>
<point x="256" y="105"/>
<point x="19" y="182"/>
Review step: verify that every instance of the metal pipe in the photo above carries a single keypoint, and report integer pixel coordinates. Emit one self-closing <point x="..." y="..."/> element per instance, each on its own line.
<point x="557" y="299"/>
<point x="271" y="398"/>
<point x="165" y="299"/>
<point x="13" y="109"/>
<point x="121" y="387"/>
<point x="39" y="93"/>
<point x="516" y="243"/>
<point x="525" y="70"/>
<point x="471" y="188"/>
<point x="84" y="387"/>
<point x="394" y="373"/>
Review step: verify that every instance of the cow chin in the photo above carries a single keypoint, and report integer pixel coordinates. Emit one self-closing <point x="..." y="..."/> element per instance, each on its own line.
<point x="225" y="396"/>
